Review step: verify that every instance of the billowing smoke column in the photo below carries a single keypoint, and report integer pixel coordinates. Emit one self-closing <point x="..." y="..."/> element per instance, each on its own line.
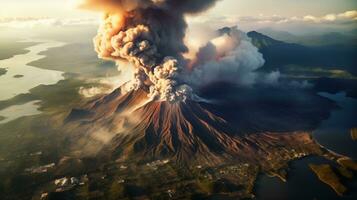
<point x="149" y="34"/>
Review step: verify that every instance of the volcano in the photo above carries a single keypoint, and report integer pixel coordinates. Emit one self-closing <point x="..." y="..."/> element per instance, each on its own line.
<point x="184" y="132"/>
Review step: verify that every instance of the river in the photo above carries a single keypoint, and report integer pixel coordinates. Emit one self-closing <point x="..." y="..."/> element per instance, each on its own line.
<point x="20" y="78"/>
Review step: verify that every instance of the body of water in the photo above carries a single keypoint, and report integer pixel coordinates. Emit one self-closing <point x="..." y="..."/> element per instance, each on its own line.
<point x="17" y="111"/>
<point x="21" y="77"/>
<point x="333" y="133"/>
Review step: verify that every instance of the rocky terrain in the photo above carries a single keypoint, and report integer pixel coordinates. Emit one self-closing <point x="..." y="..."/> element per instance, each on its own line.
<point x="128" y="129"/>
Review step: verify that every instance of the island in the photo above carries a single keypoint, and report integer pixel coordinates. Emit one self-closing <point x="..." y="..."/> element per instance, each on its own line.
<point x="345" y="172"/>
<point x="18" y="76"/>
<point x="326" y="174"/>
<point x="3" y="71"/>
<point x="354" y="133"/>
<point x="347" y="163"/>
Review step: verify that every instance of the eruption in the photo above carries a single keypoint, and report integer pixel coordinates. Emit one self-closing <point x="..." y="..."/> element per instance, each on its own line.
<point x="157" y="114"/>
<point x="149" y="35"/>
<point x="155" y="118"/>
<point x="229" y="56"/>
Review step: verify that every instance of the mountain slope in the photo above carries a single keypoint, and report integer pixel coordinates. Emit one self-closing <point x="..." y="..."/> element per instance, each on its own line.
<point x="262" y="41"/>
<point x="128" y="127"/>
<point x="313" y="39"/>
<point x="181" y="131"/>
<point x="278" y="54"/>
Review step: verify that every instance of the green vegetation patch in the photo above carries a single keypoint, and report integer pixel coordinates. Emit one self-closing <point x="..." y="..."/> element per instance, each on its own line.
<point x="3" y="71"/>
<point x="299" y="71"/>
<point x="77" y="59"/>
<point x="18" y="76"/>
<point x="10" y="48"/>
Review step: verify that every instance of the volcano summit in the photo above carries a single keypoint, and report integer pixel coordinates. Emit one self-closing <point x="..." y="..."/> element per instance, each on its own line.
<point x="185" y="132"/>
<point x="158" y="118"/>
<point x="129" y="129"/>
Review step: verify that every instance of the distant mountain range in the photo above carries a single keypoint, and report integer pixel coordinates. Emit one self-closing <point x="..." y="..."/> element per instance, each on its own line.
<point x="279" y="54"/>
<point x="262" y="41"/>
<point x="323" y="39"/>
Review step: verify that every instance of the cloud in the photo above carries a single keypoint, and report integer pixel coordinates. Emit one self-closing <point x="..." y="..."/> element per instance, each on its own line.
<point x="108" y="84"/>
<point x="348" y="17"/>
<point x="31" y="22"/>
<point x="230" y="57"/>
<point x="148" y="34"/>
<point x="93" y="91"/>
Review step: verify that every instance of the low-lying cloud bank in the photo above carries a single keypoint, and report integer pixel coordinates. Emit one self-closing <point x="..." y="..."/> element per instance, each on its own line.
<point x="31" y="22"/>
<point x="343" y="18"/>
<point x="333" y="21"/>
<point x="347" y="18"/>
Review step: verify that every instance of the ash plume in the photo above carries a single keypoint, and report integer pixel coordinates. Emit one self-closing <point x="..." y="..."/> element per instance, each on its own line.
<point x="138" y="119"/>
<point x="150" y="35"/>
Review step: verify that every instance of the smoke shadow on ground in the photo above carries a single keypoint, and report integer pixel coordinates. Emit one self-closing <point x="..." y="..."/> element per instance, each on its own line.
<point x="267" y="109"/>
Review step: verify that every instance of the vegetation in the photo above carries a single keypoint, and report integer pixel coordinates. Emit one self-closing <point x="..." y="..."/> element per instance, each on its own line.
<point x="3" y="71"/>
<point x="37" y="141"/>
<point x="18" y="76"/>
<point x="10" y="48"/>
<point x="78" y="59"/>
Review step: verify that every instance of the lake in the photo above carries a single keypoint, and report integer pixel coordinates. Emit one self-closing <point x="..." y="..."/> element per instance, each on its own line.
<point x="334" y="134"/>
<point x="20" y="78"/>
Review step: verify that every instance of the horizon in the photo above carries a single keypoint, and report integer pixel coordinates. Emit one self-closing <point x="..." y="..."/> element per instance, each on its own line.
<point x="302" y="17"/>
<point x="178" y="99"/>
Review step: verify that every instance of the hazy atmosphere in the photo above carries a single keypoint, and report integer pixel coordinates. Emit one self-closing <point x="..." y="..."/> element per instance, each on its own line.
<point x="178" y="99"/>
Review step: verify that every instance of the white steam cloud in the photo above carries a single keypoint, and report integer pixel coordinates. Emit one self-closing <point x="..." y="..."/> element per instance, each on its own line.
<point x="229" y="57"/>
